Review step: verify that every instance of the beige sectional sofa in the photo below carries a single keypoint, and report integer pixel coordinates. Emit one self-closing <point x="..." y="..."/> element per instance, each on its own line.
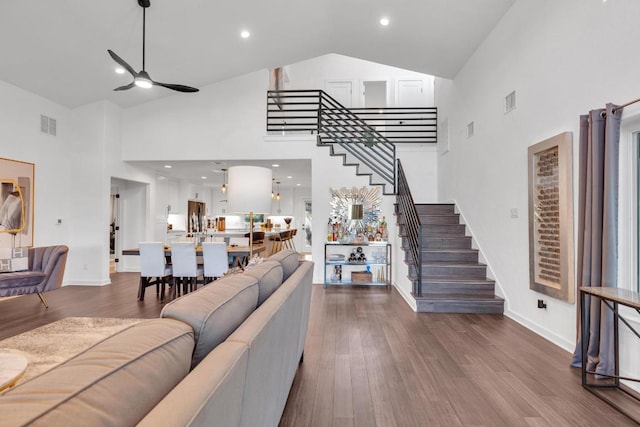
<point x="224" y="355"/>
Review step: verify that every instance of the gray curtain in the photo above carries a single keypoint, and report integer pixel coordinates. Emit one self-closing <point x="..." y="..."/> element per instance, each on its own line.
<point x="597" y="255"/>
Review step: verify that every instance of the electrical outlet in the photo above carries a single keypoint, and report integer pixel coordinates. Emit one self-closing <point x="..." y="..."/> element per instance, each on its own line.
<point x="514" y="213"/>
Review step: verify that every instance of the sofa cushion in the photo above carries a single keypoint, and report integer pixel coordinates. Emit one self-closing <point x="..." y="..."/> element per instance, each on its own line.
<point x="289" y="260"/>
<point x="139" y="365"/>
<point x="21" y="279"/>
<point x="269" y="276"/>
<point x="215" y="310"/>
<point x="210" y="395"/>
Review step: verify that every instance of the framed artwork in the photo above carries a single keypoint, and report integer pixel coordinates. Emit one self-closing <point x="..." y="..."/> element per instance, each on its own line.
<point x="16" y="203"/>
<point x="551" y="256"/>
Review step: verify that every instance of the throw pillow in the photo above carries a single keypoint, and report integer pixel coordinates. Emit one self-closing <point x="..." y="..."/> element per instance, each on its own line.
<point x="14" y="259"/>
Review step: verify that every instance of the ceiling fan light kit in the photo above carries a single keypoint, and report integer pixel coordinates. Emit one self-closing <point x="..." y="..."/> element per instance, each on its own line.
<point x="142" y="78"/>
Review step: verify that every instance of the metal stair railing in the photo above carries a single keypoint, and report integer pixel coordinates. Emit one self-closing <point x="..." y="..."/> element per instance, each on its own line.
<point x="293" y="111"/>
<point x="406" y="125"/>
<point x="316" y="111"/>
<point x="354" y="136"/>
<point x="412" y="227"/>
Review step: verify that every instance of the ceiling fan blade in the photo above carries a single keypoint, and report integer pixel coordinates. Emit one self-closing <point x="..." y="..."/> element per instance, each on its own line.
<point x="125" y="87"/>
<point x="179" y="88"/>
<point x="122" y="62"/>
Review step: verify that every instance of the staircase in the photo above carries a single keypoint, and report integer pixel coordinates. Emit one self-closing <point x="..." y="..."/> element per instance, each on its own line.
<point x="443" y="268"/>
<point x="453" y="281"/>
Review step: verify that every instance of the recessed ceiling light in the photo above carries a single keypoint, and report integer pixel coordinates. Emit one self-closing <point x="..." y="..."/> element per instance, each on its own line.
<point x="204" y="177"/>
<point x="119" y="70"/>
<point x="289" y="177"/>
<point x="298" y="185"/>
<point x="245" y="34"/>
<point x="167" y="166"/>
<point x="384" y="21"/>
<point x="275" y="165"/>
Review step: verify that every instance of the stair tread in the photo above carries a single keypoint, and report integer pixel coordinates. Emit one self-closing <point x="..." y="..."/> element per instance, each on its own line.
<point x="441" y="279"/>
<point x="450" y="250"/>
<point x="459" y="297"/>
<point x="453" y="264"/>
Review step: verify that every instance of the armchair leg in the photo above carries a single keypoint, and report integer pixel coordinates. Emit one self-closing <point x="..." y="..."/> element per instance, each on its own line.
<point x="43" y="299"/>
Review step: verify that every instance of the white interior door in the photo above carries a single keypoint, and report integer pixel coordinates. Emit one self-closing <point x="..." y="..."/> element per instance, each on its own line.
<point x="306" y="233"/>
<point x="410" y="93"/>
<point x="374" y="95"/>
<point x="341" y="91"/>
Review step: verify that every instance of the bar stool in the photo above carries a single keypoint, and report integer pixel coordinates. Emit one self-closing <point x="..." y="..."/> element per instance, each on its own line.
<point x="185" y="267"/>
<point x="292" y="244"/>
<point x="276" y="242"/>
<point x="153" y="266"/>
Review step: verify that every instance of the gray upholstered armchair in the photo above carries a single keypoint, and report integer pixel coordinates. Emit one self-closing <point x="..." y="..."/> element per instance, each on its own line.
<point x="46" y="268"/>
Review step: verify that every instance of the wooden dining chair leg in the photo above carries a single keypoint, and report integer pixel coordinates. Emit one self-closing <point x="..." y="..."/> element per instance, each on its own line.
<point x="143" y="286"/>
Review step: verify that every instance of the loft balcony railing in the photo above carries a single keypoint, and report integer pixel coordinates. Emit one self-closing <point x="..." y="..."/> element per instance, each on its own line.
<point x="293" y="111"/>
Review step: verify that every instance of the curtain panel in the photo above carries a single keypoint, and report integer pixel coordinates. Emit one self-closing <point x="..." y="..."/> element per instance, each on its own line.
<point x="597" y="255"/>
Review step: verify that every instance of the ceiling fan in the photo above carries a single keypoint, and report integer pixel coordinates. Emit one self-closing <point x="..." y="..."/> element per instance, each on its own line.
<point x="142" y="78"/>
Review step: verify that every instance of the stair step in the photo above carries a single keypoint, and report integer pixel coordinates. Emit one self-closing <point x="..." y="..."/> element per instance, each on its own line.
<point x="435" y="208"/>
<point x="460" y="288"/>
<point x="439" y="219"/>
<point x="462" y="255"/>
<point x="454" y="270"/>
<point x="458" y="242"/>
<point x="435" y="230"/>
<point x="456" y="304"/>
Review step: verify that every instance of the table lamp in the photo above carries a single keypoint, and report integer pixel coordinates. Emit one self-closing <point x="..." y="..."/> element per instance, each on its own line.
<point x="249" y="192"/>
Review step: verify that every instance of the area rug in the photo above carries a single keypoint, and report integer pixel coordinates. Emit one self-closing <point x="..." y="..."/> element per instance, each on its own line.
<point x="52" y="344"/>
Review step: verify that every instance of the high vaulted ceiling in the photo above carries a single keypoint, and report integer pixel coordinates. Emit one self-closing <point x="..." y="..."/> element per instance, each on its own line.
<point x="58" y="48"/>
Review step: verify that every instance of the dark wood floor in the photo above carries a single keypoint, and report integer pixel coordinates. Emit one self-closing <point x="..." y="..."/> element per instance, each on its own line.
<point x="370" y="361"/>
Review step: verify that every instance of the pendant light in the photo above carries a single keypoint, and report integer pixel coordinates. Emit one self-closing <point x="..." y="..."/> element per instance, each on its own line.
<point x="223" y="189"/>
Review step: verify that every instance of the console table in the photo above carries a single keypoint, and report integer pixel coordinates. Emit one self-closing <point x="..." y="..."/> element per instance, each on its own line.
<point x="611" y="298"/>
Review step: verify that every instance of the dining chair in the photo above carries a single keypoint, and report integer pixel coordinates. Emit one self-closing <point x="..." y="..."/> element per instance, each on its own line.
<point x="185" y="267"/>
<point x="153" y="268"/>
<point x="216" y="261"/>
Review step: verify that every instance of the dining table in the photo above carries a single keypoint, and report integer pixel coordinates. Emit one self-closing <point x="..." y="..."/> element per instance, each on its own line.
<point x="239" y="254"/>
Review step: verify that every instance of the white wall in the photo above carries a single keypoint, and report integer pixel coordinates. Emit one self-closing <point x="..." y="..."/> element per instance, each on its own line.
<point x="313" y="73"/>
<point x="542" y="50"/>
<point x="21" y="139"/>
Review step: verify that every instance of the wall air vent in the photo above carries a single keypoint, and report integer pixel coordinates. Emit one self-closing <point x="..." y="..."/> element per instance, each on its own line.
<point x="470" y="130"/>
<point x="510" y="102"/>
<point x="48" y="125"/>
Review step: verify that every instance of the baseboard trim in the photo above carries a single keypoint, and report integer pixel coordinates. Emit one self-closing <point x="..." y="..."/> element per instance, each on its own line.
<point x="86" y="283"/>
<point x="544" y="333"/>
<point x="407" y="297"/>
